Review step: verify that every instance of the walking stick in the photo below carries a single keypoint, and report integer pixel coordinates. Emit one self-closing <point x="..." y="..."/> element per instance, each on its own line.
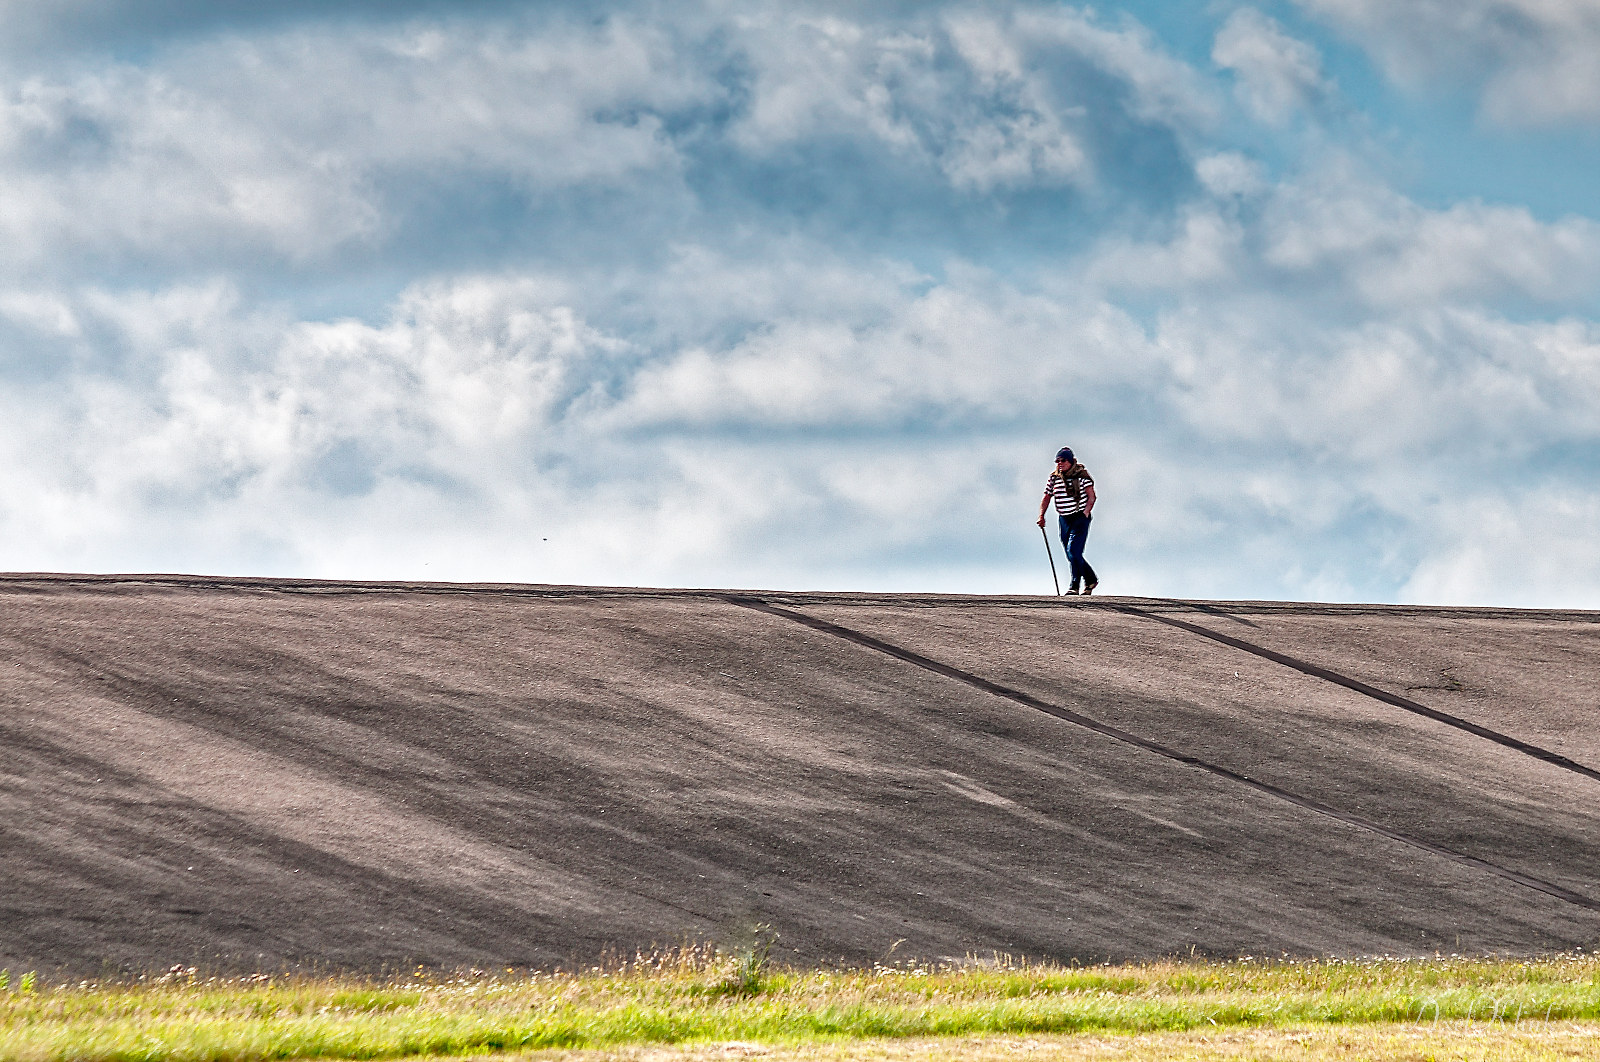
<point x="1052" y="556"/>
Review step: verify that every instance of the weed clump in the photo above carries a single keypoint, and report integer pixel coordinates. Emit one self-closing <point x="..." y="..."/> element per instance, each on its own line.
<point x="746" y="968"/>
<point x="26" y="985"/>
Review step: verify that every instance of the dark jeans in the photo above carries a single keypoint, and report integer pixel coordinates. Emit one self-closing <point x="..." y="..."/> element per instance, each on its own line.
<point x="1074" y="533"/>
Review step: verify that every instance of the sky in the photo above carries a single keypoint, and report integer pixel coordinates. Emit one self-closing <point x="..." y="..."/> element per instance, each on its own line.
<point x="805" y="295"/>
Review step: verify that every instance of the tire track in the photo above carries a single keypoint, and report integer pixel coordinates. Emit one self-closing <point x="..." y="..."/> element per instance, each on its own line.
<point x="1394" y="699"/>
<point x="1117" y="734"/>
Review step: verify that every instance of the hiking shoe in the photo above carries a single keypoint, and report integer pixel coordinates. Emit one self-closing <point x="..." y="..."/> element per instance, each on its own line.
<point x="1088" y="588"/>
<point x="1072" y="591"/>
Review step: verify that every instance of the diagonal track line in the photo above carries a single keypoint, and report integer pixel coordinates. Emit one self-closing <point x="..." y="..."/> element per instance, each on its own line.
<point x="1374" y="692"/>
<point x="1118" y="734"/>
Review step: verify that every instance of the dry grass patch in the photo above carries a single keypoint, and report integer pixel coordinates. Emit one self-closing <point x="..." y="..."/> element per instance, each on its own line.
<point x="1411" y="1042"/>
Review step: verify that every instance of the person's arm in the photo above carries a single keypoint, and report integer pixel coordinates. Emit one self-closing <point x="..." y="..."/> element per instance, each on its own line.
<point x="1088" y="500"/>
<point x="1044" y="505"/>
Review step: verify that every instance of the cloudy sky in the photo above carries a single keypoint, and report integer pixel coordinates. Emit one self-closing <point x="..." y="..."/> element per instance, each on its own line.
<point x="806" y="294"/>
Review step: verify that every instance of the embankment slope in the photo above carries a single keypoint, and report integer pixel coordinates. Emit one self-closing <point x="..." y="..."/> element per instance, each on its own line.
<point x="261" y="774"/>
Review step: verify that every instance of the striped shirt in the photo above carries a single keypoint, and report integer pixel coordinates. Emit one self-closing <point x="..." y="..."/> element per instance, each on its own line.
<point x="1069" y="491"/>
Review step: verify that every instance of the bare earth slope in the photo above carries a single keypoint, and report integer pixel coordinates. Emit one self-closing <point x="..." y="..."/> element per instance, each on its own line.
<point x="259" y="774"/>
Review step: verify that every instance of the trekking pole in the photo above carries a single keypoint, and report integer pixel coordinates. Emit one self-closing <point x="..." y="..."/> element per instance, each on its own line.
<point x="1049" y="553"/>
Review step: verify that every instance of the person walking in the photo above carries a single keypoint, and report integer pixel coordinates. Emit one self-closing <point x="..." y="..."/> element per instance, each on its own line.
<point x="1073" y="490"/>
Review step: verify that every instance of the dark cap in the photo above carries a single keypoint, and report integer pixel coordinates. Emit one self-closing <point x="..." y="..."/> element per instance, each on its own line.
<point x="1065" y="454"/>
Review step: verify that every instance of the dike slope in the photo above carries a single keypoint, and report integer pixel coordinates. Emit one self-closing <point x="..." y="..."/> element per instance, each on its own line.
<point x="268" y="774"/>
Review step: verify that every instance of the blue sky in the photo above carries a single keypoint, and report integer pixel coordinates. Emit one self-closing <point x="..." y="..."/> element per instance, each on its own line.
<point x="805" y="295"/>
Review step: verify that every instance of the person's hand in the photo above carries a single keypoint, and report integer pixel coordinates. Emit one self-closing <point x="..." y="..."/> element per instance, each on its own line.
<point x="1041" y="521"/>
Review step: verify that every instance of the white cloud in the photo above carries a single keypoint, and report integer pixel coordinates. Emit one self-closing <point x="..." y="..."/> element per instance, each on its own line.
<point x="208" y="409"/>
<point x="1206" y="248"/>
<point x="283" y="144"/>
<point x="298" y="146"/>
<point x="1534" y="59"/>
<point x="42" y="312"/>
<point x="1278" y="75"/>
<point x="1349" y="237"/>
<point x="480" y="413"/>
<point x="1393" y="251"/>
<point x="1229" y="173"/>
<point x="1533" y="549"/>
<point x="969" y="349"/>
<point x="1163" y="89"/>
<point x="818" y="76"/>
<point x="974" y="95"/>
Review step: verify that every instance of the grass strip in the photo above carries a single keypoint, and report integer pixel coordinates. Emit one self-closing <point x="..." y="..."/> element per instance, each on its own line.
<point x="697" y="996"/>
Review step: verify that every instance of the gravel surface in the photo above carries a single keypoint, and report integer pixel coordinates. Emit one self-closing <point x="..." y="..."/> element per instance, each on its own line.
<point x="266" y="774"/>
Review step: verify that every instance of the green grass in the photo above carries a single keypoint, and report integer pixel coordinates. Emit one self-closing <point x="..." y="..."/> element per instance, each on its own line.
<point x="697" y="995"/>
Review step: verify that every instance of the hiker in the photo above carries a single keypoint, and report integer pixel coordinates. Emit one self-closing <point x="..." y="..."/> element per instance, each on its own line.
<point x="1073" y="489"/>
